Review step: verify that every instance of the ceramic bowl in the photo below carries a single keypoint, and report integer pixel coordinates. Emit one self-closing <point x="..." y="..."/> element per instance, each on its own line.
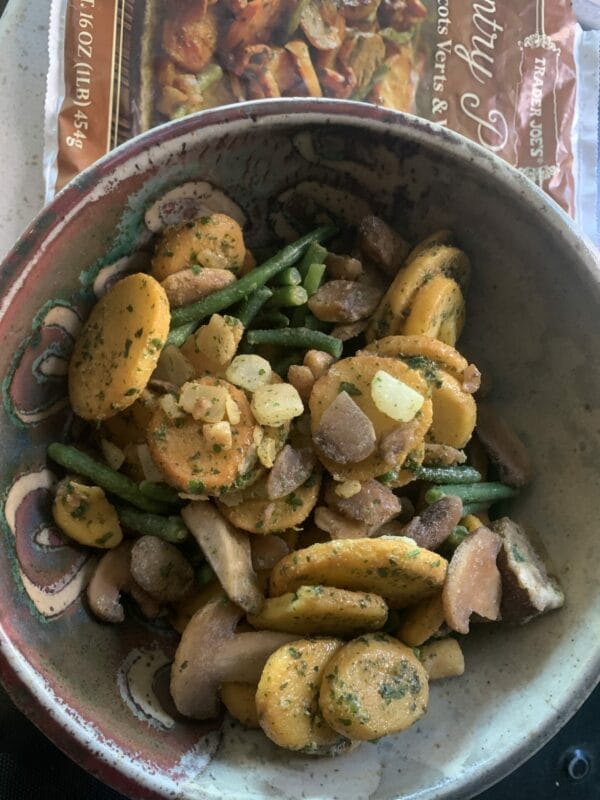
<point x="533" y="308"/>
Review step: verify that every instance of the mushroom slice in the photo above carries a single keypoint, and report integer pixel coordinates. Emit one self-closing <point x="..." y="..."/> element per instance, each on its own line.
<point x="398" y="441"/>
<point x="442" y="455"/>
<point x="322" y="25"/>
<point x="292" y="468"/>
<point x="243" y="657"/>
<point x="338" y="526"/>
<point x="349" y="331"/>
<point x="345" y="433"/>
<point x="227" y="550"/>
<point x="345" y="268"/>
<point x="504" y="447"/>
<point x="473" y="580"/>
<point x="527" y="589"/>
<point x="112" y="577"/>
<point x="379" y="242"/>
<point x="344" y="301"/>
<point x="267" y="551"/>
<point x="160" y="569"/>
<point x="433" y="526"/>
<point x="373" y="505"/>
<point x="189" y="285"/>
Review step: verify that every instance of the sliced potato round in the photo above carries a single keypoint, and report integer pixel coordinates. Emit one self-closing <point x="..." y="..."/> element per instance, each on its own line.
<point x="354" y="375"/>
<point x="421" y="347"/>
<point x="287" y="698"/>
<point x="322" y="610"/>
<point x="188" y="459"/>
<point x="84" y="514"/>
<point x="373" y="686"/>
<point x="394" y="568"/>
<point x="422" y="621"/>
<point x="118" y="347"/>
<point x="214" y="242"/>
<point x="442" y="658"/>
<point x="240" y="700"/>
<point x="454" y="412"/>
<point x="438" y="310"/>
<point x="255" y="513"/>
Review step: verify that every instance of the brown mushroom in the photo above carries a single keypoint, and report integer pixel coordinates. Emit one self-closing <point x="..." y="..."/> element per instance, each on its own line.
<point x="322" y="25"/>
<point x="292" y="467"/>
<point x="359" y="10"/>
<point x="301" y="56"/>
<point x="190" y="36"/>
<point x="111" y="577"/>
<point x="345" y="433"/>
<point x="302" y="380"/>
<point x="398" y="442"/>
<point x="210" y="653"/>
<point x="527" y="588"/>
<point x="433" y="525"/>
<point x="344" y="301"/>
<point x="379" y="242"/>
<point x="338" y="526"/>
<point x="442" y="455"/>
<point x="374" y="505"/>
<point x="350" y="331"/>
<point x="189" y="285"/>
<point x="160" y="569"/>
<point x="227" y="550"/>
<point x="343" y="268"/>
<point x="503" y="446"/>
<point x="318" y="362"/>
<point x="472" y="582"/>
<point x="267" y="550"/>
<point x="471" y="381"/>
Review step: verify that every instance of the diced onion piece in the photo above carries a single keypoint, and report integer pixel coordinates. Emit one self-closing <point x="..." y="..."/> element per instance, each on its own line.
<point x="267" y="451"/>
<point x="249" y="372"/>
<point x="276" y="404"/>
<point x="216" y="340"/>
<point x="171" y="407"/>
<point x="394" y="398"/>
<point x="149" y="468"/>
<point x="205" y="403"/>
<point x="113" y="455"/>
<point x="218" y="434"/>
<point x="173" y="366"/>
<point x="234" y="415"/>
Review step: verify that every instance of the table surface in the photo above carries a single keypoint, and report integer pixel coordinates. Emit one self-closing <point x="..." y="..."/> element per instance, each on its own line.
<point x="567" y="768"/>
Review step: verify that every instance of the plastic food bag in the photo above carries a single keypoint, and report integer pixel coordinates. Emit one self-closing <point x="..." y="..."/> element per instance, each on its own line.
<point x="517" y="76"/>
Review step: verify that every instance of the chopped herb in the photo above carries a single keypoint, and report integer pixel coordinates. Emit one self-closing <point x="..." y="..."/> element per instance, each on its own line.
<point x="130" y="308"/>
<point x="196" y="268"/>
<point x="350" y="388"/>
<point x="131" y="391"/>
<point x="383" y="572"/>
<point x="216" y="448"/>
<point x="196" y="487"/>
<point x="104" y="538"/>
<point x="138" y="333"/>
<point x="294" y="501"/>
<point x="294" y="653"/>
<point x="128" y="343"/>
<point x="516" y="555"/>
<point x="80" y="511"/>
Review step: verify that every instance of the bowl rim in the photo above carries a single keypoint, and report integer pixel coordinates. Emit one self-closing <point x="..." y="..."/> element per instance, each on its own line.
<point x="19" y="679"/>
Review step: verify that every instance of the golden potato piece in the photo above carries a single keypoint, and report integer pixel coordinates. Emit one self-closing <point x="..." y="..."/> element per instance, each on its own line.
<point x="394" y="568"/>
<point x="84" y="514"/>
<point x="118" y="347"/>
<point x="417" y="349"/>
<point x="438" y="310"/>
<point x="354" y="375"/>
<point x="255" y="513"/>
<point x="214" y="242"/>
<point x="454" y="412"/>
<point x="442" y="659"/>
<point x="373" y="686"/>
<point x="212" y="347"/>
<point x="189" y="461"/>
<point x="322" y="610"/>
<point x="240" y="700"/>
<point x="422" y="621"/>
<point x="287" y="698"/>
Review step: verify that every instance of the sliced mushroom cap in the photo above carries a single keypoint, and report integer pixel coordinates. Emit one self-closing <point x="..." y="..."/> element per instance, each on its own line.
<point x="267" y="550"/>
<point x="161" y="569"/>
<point x="190" y="285"/>
<point x="379" y="242"/>
<point x="292" y="467"/>
<point x="338" y="526"/>
<point x="395" y="444"/>
<point x="322" y="25"/>
<point x="442" y="455"/>
<point x="527" y="588"/>
<point x="227" y="550"/>
<point x="345" y="268"/>
<point x="345" y="433"/>
<point x="433" y="526"/>
<point x="504" y="447"/>
<point x="473" y="580"/>
<point x="350" y="331"/>
<point x="374" y="505"/>
<point x="344" y="301"/>
<point x="112" y="577"/>
<point x="211" y="653"/>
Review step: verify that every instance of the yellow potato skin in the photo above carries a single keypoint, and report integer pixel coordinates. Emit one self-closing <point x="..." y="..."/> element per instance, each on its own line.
<point x="438" y="311"/>
<point x="422" y="621"/>
<point x="213" y="242"/>
<point x="287" y="698"/>
<point x="373" y="686"/>
<point x="118" y="347"/>
<point x="257" y="514"/>
<point x="84" y="514"/>
<point x="454" y="412"/>
<point x="359" y="371"/>
<point x="321" y="610"/>
<point x="240" y="700"/>
<point x="405" y="346"/>
<point x="442" y="659"/>
<point x="395" y="569"/>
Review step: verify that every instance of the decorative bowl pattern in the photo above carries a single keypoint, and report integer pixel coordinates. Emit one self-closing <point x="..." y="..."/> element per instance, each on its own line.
<point x="533" y="311"/>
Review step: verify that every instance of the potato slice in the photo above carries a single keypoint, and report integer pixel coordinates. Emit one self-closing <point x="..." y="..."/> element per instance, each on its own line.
<point x="417" y="349"/>
<point x="257" y="514"/>
<point x="212" y="347"/>
<point x="240" y="700"/>
<point x="394" y="568"/>
<point x="438" y="310"/>
<point x="354" y="376"/>
<point x="442" y="659"/>
<point x="438" y="259"/>
<point x="287" y="698"/>
<point x="214" y="242"/>
<point x="189" y="461"/>
<point x="84" y="514"/>
<point x="454" y="412"/>
<point x="422" y="621"/>
<point x="322" y="610"/>
<point x="373" y="686"/>
<point x="118" y="347"/>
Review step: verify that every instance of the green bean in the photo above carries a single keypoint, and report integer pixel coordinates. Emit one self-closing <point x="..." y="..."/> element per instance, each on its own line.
<point x="272" y="319"/>
<point x="114" y="482"/>
<point x="471" y="492"/>
<point x="314" y="278"/>
<point x="178" y="335"/>
<point x="474" y="508"/>
<point x="288" y="297"/>
<point x="171" y="529"/>
<point x="455" y="474"/>
<point x="161" y="492"/>
<point x="314" y="324"/>
<point x="207" y="77"/>
<point x="250" y="307"/>
<point x="285" y="362"/>
<point x="388" y="477"/>
<point x="218" y="301"/>
<point x="289" y="277"/>
<point x="298" y="337"/>
<point x="316" y="254"/>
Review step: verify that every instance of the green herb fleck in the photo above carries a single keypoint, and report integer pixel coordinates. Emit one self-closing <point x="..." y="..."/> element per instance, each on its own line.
<point x="350" y="388"/>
